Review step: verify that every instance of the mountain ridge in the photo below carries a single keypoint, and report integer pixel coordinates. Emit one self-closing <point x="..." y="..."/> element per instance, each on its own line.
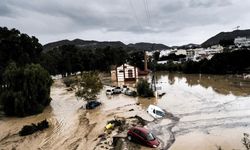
<point x="140" y="46"/>
<point x="98" y="44"/>
<point x="214" y="40"/>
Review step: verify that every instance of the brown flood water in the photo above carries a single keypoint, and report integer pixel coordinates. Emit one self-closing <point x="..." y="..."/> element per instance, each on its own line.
<point x="211" y="111"/>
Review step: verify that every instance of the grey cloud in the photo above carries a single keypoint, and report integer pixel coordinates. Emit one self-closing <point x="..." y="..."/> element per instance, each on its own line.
<point x="4" y="9"/>
<point x="47" y="18"/>
<point x="209" y="3"/>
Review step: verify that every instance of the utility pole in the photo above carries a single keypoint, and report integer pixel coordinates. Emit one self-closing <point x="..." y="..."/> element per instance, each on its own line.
<point x="153" y="82"/>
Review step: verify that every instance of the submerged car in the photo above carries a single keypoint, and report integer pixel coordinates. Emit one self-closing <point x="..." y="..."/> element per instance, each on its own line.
<point x="155" y="111"/>
<point x="124" y="88"/>
<point x="109" y="92"/>
<point x="142" y="136"/>
<point x="92" y="104"/>
<point x="117" y="90"/>
<point x="130" y="93"/>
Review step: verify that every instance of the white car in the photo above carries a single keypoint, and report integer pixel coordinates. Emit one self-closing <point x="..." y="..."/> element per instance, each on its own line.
<point x="124" y="89"/>
<point x="155" y="111"/>
<point x="117" y="90"/>
<point x="109" y="92"/>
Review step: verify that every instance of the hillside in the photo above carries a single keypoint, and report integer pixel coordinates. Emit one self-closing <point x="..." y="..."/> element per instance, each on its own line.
<point x="83" y="44"/>
<point x="226" y="36"/>
<point x="97" y="44"/>
<point x="148" y="46"/>
<point x="187" y="46"/>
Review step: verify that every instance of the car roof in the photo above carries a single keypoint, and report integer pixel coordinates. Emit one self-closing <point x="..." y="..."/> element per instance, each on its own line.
<point x="155" y="107"/>
<point x="144" y="130"/>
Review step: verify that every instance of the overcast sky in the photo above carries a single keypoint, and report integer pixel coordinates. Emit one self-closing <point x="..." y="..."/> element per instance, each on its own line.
<point x="171" y="22"/>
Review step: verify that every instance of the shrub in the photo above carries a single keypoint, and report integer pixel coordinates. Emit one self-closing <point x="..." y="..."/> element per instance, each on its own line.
<point x="143" y="89"/>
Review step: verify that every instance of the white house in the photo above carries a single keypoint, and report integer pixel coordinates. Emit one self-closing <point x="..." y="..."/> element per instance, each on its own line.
<point x="242" y="41"/>
<point x="181" y="52"/>
<point x="164" y="52"/>
<point x="190" y="54"/>
<point x="162" y="62"/>
<point x="124" y="72"/>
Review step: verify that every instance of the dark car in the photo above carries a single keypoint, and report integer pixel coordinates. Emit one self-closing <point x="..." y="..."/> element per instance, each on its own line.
<point x="142" y="136"/>
<point x="92" y="104"/>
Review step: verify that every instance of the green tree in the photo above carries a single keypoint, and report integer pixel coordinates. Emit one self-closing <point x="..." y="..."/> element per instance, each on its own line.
<point x="156" y="56"/>
<point x="144" y="89"/>
<point x="136" y="59"/>
<point x="89" y="85"/>
<point x="17" y="47"/>
<point x="26" y="90"/>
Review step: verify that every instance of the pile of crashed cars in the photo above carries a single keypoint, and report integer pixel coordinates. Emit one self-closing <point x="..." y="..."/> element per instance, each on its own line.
<point x="140" y="135"/>
<point x="118" y="90"/>
<point x="136" y="134"/>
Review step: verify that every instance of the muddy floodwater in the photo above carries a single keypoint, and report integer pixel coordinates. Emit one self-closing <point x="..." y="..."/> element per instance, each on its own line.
<point x="213" y="111"/>
<point x="204" y="112"/>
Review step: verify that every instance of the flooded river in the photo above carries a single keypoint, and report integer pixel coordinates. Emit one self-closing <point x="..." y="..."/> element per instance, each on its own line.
<point x="213" y="110"/>
<point x="205" y="112"/>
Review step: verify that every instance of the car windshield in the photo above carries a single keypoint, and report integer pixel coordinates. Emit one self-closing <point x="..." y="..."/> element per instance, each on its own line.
<point x="160" y="113"/>
<point x="150" y="137"/>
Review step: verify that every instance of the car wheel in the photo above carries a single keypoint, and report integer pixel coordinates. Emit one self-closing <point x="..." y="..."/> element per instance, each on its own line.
<point x="129" y="138"/>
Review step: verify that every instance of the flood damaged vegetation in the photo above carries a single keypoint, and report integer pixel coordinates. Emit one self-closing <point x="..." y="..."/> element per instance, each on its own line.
<point x="30" y="129"/>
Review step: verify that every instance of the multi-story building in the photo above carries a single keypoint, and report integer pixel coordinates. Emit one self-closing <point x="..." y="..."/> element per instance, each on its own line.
<point x="242" y="42"/>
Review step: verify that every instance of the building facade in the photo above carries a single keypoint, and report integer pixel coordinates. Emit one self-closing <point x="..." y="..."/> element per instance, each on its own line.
<point x="124" y="72"/>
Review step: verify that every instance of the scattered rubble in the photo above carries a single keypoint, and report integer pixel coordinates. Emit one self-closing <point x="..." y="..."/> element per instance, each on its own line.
<point x="115" y="133"/>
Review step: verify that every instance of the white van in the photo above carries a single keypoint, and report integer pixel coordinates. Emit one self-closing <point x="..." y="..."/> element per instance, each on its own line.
<point x="155" y="111"/>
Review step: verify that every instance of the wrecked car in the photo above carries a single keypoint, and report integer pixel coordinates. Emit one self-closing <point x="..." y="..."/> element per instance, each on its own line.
<point x="142" y="136"/>
<point x="155" y="111"/>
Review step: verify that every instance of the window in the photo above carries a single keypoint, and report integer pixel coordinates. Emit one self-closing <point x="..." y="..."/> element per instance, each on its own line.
<point x="130" y="73"/>
<point x="137" y="131"/>
<point x="150" y="137"/>
<point x="160" y="113"/>
<point x="120" y="71"/>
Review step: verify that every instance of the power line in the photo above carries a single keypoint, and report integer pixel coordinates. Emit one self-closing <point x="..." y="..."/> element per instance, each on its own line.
<point x="135" y="15"/>
<point x="146" y="10"/>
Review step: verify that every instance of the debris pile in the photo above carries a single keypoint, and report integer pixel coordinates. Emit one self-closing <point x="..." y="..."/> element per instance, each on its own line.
<point x="30" y="129"/>
<point x="115" y="132"/>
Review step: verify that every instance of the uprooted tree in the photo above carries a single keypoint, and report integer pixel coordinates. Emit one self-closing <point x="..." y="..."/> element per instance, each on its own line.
<point x="89" y="85"/>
